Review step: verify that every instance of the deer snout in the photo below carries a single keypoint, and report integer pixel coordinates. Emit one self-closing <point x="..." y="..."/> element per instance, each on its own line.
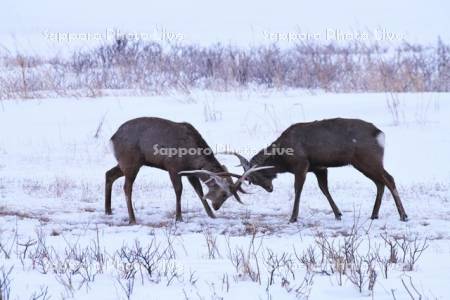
<point x="269" y="188"/>
<point x="216" y="205"/>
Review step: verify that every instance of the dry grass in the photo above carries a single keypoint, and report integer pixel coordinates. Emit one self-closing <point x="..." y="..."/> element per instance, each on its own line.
<point x="150" y="68"/>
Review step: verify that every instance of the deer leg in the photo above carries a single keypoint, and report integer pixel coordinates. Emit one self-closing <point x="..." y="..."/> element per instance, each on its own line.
<point x="300" y="177"/>
<point x="130" y="176"/>
<point x="390" y="183"/>
<point x="322" y="180"/>
<point x="178" y="187"/>
<point x="376" y="207"/>
<point x="195" y="182"/>
<point x="110" y="176"/>
<point x="376" y="172"/>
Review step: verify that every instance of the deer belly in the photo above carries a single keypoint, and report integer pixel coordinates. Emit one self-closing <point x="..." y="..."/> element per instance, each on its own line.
<point x="330" y="158"/>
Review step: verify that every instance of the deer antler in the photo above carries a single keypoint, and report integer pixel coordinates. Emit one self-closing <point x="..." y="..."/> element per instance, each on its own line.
<point x="244" y="162"/>
<point x="218" y="178"/>
<point x="214" y="176"/>
<point x="219" y="181"/>
<point x="244" y="176"/>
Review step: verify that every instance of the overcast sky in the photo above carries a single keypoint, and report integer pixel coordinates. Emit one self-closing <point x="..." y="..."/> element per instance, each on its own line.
<point x="235" y="21"/>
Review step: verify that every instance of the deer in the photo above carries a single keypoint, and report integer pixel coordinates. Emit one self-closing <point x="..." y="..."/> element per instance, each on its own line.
<point x="167" y="145"/>
<point x="316" y="146"/>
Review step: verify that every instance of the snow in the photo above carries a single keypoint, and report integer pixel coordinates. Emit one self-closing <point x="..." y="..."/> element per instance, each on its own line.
<point x="52" y="169"/>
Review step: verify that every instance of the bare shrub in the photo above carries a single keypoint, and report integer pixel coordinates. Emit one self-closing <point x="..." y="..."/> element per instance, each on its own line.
<point x="412" y="291"/>
<point x="42" y="294"/>
<point x="392" y="258"/>
<point x="278" y="265"/>
<point x="211" y="244"/>
<point x="99" y="127"/>
<point x="127" y="285"/>
<point x="148" y="67"/>
<point x="7" y="249"/>
<point x="362" y="272"/>
<point x="394" y="107"/>
<point x="5" y="283"/>
<point x="210" y="113"/>
<point x="307" y="258"/>
<point x="40" y="254"/>
<point x="303" y="290"/>
<point x="60" y="186"/>
<point x="344" y="256"/>
<point x="353" y="257"/>
<point x="414" y="250"/>
<point x="246" y="261"/>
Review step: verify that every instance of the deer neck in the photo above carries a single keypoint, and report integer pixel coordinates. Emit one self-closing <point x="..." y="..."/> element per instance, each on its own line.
<point x="212" y="165"/>
<point x="267" y="158"/>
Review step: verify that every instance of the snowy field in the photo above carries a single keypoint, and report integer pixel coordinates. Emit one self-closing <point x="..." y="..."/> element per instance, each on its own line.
<point x="56" y="242"/>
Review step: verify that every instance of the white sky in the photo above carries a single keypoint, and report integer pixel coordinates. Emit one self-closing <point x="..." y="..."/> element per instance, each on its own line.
<point x="22" y="23"/>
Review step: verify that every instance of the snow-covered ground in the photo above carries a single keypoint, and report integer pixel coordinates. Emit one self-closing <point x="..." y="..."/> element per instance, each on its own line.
<point x="54" y="153"/>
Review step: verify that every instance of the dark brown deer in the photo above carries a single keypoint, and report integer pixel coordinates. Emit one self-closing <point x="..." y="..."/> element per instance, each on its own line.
<point x="177" y="148"/>
<point x="316" y="146"/>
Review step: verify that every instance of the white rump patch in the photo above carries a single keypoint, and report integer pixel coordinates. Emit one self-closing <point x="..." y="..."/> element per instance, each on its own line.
<point x="380" y="139"/>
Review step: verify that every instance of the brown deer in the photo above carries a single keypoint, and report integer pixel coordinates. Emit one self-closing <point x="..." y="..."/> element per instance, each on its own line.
<point x="177" y="148"/>
<point x="316" y="146"/>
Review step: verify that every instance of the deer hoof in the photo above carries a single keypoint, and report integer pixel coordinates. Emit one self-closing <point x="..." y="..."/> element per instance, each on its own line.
<point x="108" y="212"/>
<point x="293" y="220"/>
<point x="374" y="217"/>
<point x="404" y="218"/>
<point x="338" y="217"/>
<point x="179" y="219"/>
